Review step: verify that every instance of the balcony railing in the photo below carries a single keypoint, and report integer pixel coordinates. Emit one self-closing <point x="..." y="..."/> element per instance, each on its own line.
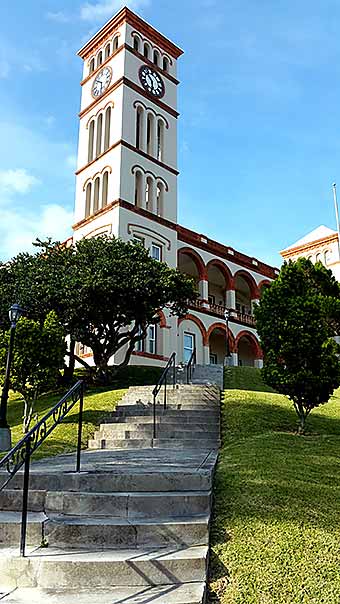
<point x="219" y="309"/>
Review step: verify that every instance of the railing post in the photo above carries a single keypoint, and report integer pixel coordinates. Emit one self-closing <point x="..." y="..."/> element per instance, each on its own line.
<point x="80" y="425"/>
<point x="25" y="498"/>
<point x="154" y="416"/>
<point x="174" y="372"/>
<point x="165" y="385"/>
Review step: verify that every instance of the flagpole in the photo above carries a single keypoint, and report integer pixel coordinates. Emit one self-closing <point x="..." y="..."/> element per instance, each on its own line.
<point x="336" y="215"/>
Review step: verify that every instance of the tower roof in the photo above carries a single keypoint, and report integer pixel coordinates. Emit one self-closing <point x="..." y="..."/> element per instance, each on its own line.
<point x="125" y="15"/>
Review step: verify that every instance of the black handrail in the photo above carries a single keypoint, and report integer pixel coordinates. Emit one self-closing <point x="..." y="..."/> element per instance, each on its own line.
<point x="21" y="454"/>
<point x="163" y="380"/>
<point x="191" y="366"/>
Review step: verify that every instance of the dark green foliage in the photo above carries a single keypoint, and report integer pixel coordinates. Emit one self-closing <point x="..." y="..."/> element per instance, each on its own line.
<point x="297" y="318"/>
<point x="105" y="292"/>
<point x="124" y="377"/>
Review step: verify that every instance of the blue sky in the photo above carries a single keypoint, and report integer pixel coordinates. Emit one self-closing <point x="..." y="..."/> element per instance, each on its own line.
<point x="259" y="132"/>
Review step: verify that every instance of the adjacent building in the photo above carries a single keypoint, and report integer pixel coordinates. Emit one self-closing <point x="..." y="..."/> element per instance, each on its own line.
<point x="127" y="187"/>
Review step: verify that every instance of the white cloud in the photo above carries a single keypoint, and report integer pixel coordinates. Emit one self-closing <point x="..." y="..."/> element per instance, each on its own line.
<point x="104" y="9"/>
<point x="17" y="181"/>
<point x="18" y="231"/>
<point x="58" y="16"/>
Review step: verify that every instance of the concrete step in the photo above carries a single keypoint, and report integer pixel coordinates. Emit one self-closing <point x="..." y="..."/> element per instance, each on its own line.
<point x="147" y="426"/>
<point x="11" y="500"/>
<point x="117" y="431"/>
<point x="163" y="443"/>
<point x="207" y="419"/>
<point x="137" y="481"/>
<point x="187" y="593"/>
<point x="121" y="533"/>
<point x="57" y="569"/>
<point x="10" y="526"/>
<point x="192" y="414"/>
<point x="131" y="505"/>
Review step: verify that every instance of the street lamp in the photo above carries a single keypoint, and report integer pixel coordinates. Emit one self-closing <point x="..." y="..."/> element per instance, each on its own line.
<point x="227" y="317"/>
<point x="15" y="312"/>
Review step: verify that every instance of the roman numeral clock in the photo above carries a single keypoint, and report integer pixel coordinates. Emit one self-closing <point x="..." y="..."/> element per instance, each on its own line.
<point x="151" y="81"/>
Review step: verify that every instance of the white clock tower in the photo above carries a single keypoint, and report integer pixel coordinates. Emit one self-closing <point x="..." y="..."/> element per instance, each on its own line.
<point x="127" y="157"/>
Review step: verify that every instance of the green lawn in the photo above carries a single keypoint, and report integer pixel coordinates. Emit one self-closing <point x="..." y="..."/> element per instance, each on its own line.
<point x="276" y="527"/>
<point x="97" y="405"/>
<point x="244" y="378"/>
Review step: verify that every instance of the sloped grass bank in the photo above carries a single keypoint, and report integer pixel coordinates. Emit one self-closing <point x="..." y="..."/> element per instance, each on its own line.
<point x="98" y="404"/>
<point x="276" y="526"/>
<point x="245" y="378"/>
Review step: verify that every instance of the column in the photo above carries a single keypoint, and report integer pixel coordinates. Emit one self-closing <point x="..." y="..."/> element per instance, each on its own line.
<point x="154" y="137"/>
<point x="142" y="191"/>
<point x="203" y="288"/>
<point x="144" y="128"/>
<point x="230" y="301"/>
<point x="153" y="197"/>
<point x="234" y="359"/>
<point x="206" y="355"/>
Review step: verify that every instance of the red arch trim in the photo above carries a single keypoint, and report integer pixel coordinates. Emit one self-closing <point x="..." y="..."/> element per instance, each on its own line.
<point x="229" y="279"/>
<point x="188" y="251"/>
<point x="262" y="283"/>
<point x="222" y="326"/>
<point x="252" y="339"/>
<point x="162" y="322"/>
<point x="254" y="290"/>
<point x="199" y="324"/>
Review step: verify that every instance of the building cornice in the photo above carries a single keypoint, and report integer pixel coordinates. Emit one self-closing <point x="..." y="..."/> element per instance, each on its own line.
<point x="124" y="80"/>
<point x="127" y="16"/>
<point x="292" y="251"/>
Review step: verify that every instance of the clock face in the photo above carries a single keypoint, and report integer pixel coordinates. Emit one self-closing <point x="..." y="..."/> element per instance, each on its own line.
<point x="101" y="82"/>
<point x="152" y="81"/>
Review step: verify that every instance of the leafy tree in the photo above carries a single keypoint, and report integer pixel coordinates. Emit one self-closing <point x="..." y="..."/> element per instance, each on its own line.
<point x="297" y="319"/>
<point x="106" y="292"/>
<point x="38" y="356"/>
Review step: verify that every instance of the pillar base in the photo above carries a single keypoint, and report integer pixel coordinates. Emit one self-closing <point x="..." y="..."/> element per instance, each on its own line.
<point x="5" y="439"/>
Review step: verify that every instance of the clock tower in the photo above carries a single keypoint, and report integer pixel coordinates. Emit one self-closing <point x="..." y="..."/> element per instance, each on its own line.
<point x="127" y="156"/>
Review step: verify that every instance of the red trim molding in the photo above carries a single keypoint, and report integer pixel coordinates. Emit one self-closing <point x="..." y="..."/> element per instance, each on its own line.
<point x="148" y="355"/>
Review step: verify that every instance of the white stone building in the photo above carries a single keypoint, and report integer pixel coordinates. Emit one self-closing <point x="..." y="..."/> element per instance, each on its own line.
<point x="321" y="245"/>
<point x="127" y="186"/>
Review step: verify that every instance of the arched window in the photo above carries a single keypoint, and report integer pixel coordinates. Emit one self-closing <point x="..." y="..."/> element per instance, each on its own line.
<point x="328" y="257"/>
<point x="96" y="195"/>
<point x="160" y="140"/>
<point x="156" y="57"/>
<point x="107" y="128"/>
<point x="138" y="189"/>
<point x="88" y="200"/>
<point x="139" y="126"/>
<point x="107" y="51"/>
<point x="148" y="194"/>
<point x="105" y="189"/>
<point x="136" y="43"/>
<point x="146" y="50"/>
<point x="115" y="44"/>
<point x="166" y="64"/>
<point x="160" y="199"/>
<point x="149" y="134"/>
<point x="99" y="135"/>
<point x="318" y="258"/>
<point x="91" y="141"/>
<point x="99" y="58"/>
<point x="92" y="65"/>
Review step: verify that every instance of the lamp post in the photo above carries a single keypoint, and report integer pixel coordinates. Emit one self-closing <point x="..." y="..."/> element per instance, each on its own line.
<point x="15" y="312"/>
<point x="227" y="317"/>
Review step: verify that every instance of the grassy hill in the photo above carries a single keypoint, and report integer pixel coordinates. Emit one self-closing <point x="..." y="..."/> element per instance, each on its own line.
<point x="276" y="527"/>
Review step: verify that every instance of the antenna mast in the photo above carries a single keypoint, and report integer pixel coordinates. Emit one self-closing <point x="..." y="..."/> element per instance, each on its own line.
<point x="336" y="215"/>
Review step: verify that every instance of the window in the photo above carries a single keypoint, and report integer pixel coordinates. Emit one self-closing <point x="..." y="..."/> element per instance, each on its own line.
<point x="139" y="240"/>
<point x="189" y="346"/>
<point x="99" y="135"/>
<point x="139" y="127"/>
<point x="160" y="199"/>
<point x="328" y="257"/>
<point x="156" y="58"/>
<point x="96" y="195"/>
<point x="156" y="252"/>
<point x="88" y="200"/>
<point x="166" y="64"/>
<point x="99" y="59"/>
<point x="138" y="189"/>
<point x="136" y="43"/>
<point x="146" y="50"/>
<point x="139" y="347"/>
<point x="107" y="51"/>
<point x="148" y="194"/>
<point x="105" y="189"/>
<point x="107" y="128"/>
<point x="115" y="44"/>
<point x="213" y="358"/>
<point x="149" y="134"/>
<point x="92" y="65"/>
<point x="91" y="141"/>
<point x="318" y="258"/>
<point x="211" y="299"/>
<point x="152" y="339"/>
<point x="160" y="140"/>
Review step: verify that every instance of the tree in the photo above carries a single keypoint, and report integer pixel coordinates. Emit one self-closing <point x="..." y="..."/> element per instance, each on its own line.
<point x="105" y="292"/>
<point x="38" y="356"/>
<point x="297" y="319"/>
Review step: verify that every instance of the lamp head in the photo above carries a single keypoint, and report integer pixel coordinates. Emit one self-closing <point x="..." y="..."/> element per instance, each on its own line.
<point x="15" y="312"/>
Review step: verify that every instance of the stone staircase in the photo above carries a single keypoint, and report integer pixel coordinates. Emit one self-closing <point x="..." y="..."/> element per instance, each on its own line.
<point x="202" y="374"/>
<point x="133" y="526"/>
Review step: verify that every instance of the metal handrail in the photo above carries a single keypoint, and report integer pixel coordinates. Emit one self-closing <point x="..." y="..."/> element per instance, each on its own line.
<point x="22" y="452"/>
<point x="163" y="380"/>
<point x="191" y="366"/>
